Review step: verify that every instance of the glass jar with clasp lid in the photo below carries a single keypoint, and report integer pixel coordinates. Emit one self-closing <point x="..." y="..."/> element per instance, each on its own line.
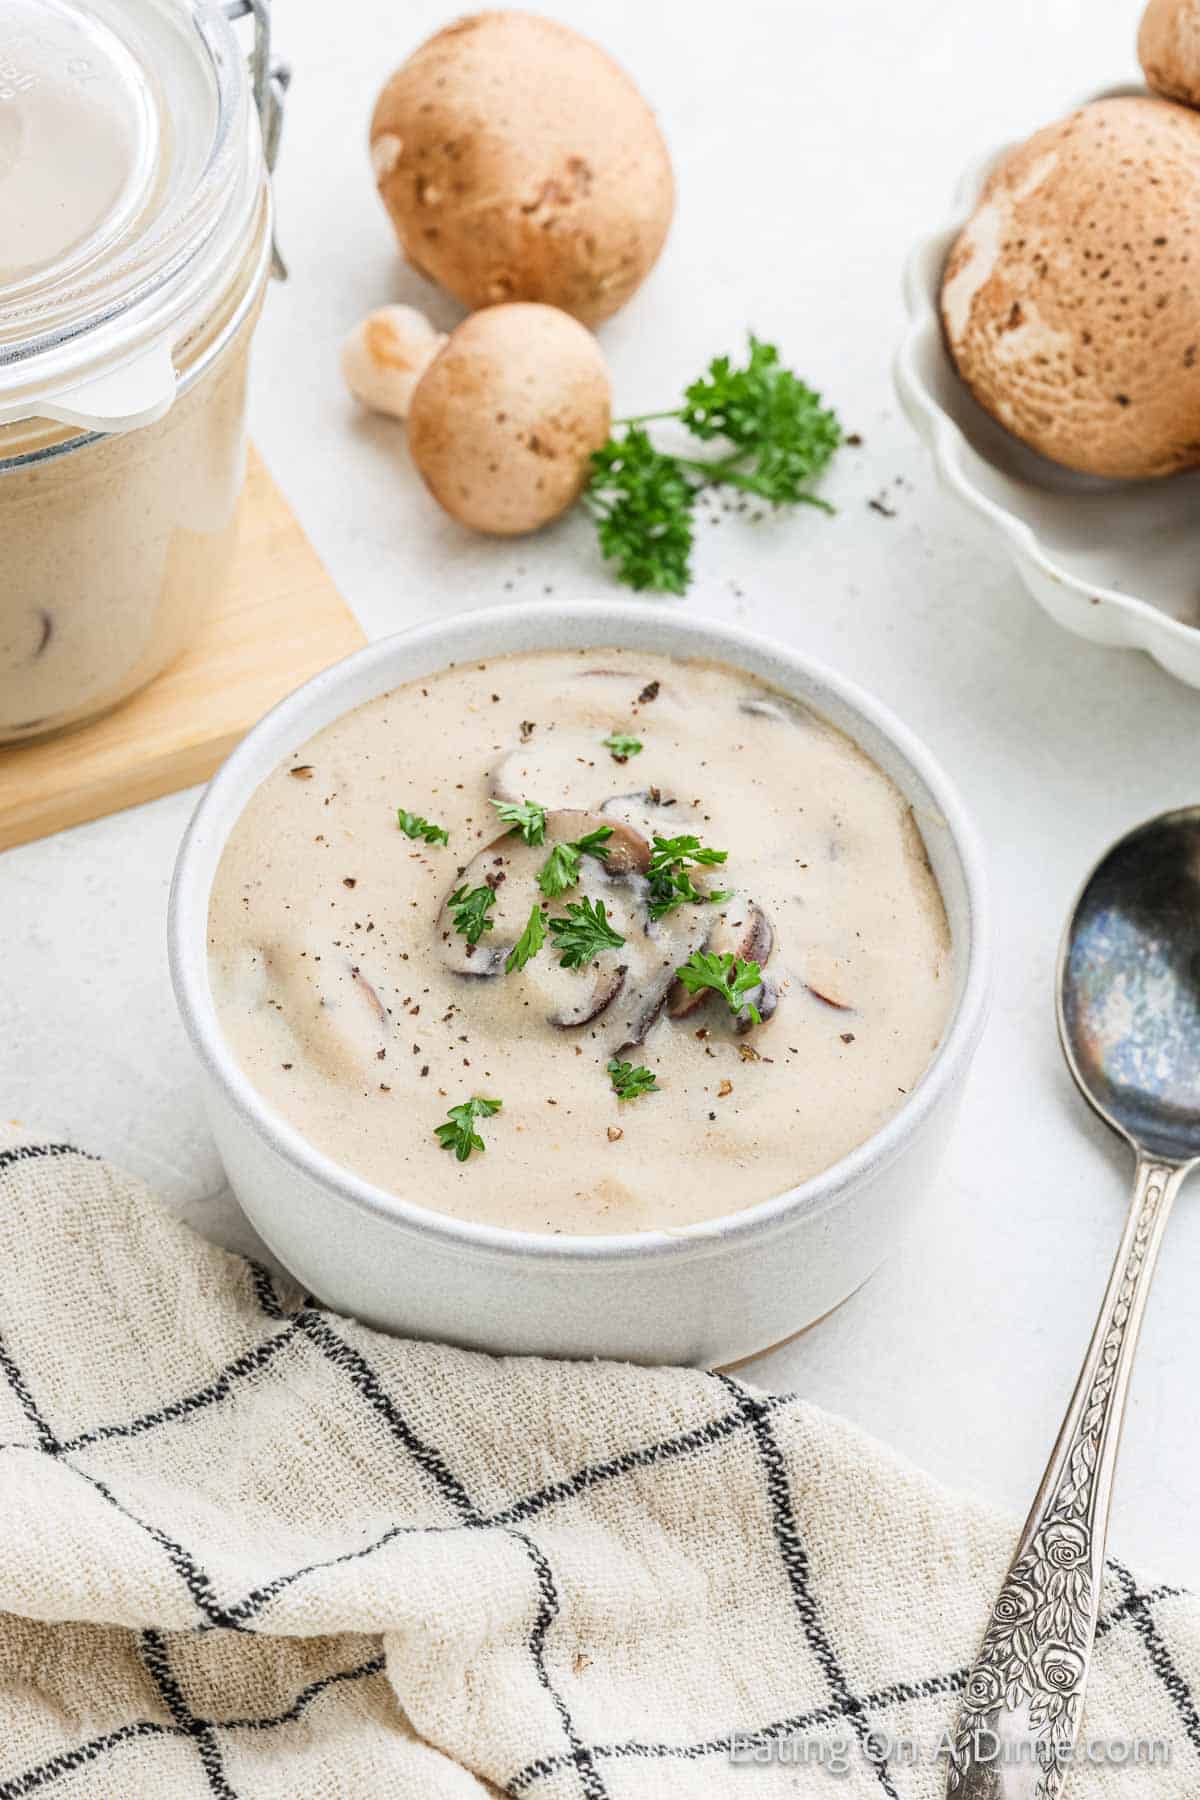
<point x="135" y="246"/>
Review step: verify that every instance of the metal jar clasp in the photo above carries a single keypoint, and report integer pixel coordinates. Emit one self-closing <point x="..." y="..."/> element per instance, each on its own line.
<point x="271" y="78"/>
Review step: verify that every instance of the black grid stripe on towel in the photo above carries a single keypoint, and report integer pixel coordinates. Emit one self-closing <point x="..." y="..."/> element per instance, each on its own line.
<point x="749" y="1414"/>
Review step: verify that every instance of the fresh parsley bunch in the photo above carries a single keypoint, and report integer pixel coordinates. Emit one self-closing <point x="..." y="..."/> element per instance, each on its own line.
<point x="778" y="438"/>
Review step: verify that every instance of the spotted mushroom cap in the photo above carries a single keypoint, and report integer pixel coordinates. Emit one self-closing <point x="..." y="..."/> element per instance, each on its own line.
<point x="1071" y="299"/>
<point x="1169" y="49"/>
<point x="519" y="162"/>
<point x="504" y="420"/>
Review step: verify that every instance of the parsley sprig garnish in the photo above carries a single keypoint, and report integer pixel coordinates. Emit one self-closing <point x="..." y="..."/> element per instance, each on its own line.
<point x="641" y="501"/>
<point x="683" y="849"/>
<point x="560" y="870"/>
<point x="778" y="439"/>
<point x="629" y="1083"/>
<point x="414" y="826"/>
<point x="782" y="437"/>
<point x="525" y="817"/>
<point x="470" y="907"/>
<point x="529" y="942"/>
<point x="622" y="746"/>
<point x="726" y="975"/>
<point x="669" y="882"/>
<point x="458" y="1133"/>
<point x="583" y="933"/>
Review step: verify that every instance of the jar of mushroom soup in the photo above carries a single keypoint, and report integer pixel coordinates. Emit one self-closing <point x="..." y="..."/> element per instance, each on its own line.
<point x="135" y="246"/>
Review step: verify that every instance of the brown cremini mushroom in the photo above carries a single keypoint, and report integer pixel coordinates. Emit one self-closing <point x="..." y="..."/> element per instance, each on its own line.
<point x="506" y="416"/>
<point x="1169" y="49"/>
<point x="518" y="162"/>
<point x="1068" y="300"/>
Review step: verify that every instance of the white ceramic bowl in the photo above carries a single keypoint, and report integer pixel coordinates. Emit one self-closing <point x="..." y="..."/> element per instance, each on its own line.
<point x="1115" y="562"/>
<point x="712" y="1294"/>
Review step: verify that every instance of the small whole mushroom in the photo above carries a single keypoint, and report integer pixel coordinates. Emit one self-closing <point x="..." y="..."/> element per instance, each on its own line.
<point x="518" y="162"/>
<point x="1068" y="299"/>
<point x="506" y="416"/>
<point x="1169" y="49"/>
<point x="385" y="357"/>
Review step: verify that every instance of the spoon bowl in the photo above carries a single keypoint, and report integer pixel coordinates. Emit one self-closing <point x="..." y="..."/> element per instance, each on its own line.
<point x="1129" y="987"/>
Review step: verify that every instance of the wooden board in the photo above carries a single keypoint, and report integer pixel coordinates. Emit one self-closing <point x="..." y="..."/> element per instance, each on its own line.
<point x="280" y="621"/>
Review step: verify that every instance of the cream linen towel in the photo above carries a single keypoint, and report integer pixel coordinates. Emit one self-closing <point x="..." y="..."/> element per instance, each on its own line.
<point x="250" y="1548"/>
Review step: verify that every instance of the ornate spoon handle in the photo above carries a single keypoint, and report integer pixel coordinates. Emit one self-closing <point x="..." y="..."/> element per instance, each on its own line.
<point x="1023" y="1701"/>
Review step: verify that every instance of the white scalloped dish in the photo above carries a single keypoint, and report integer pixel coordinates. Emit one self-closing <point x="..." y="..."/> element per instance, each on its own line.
<point x="1116" y="562"/>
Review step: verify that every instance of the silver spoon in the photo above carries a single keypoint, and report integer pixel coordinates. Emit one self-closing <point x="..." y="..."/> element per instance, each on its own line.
<point x="1129" y="1022"/>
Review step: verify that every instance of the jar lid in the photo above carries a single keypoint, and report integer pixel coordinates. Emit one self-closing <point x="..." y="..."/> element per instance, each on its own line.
<point x="131" y="179"/>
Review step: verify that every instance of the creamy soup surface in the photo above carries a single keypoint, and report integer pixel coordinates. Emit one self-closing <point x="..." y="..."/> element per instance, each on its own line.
<point x="362" y="1014"/>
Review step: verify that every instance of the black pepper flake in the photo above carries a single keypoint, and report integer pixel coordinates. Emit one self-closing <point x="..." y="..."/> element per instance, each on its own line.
<point x="425" y="1068"/>
<point x="303" y="772"/>
<point x="287" y="1065"/>
<point x="649" y="692"/>
<point x="528" y="727"/>
<point x="350" y="881"/>
<point x="847" y="1037"/>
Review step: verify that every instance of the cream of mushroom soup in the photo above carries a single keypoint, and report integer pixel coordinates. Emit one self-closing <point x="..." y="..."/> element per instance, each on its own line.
<point x="683" y="931"/>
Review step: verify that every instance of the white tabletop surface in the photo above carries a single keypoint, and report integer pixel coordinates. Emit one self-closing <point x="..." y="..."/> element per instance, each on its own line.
<point x="813" y="143"/>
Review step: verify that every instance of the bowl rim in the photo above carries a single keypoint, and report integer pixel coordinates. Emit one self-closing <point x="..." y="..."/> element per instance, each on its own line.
<point x="1149" y="628"/>
<point x="614" y="622"/>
